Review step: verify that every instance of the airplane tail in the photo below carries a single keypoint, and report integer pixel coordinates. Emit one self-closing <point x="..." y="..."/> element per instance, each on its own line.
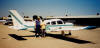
<point x="17" y="19"/>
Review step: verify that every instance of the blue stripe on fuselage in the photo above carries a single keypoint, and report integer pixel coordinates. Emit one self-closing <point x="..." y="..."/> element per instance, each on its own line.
<point x="47" y="26"/>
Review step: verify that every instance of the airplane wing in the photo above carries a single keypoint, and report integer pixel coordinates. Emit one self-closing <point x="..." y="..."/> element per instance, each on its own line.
<point x="71" y="28"/>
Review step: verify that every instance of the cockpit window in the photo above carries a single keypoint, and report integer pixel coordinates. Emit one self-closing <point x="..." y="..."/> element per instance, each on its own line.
<point x="59" y="22"/>
<point x="53" y="22"/>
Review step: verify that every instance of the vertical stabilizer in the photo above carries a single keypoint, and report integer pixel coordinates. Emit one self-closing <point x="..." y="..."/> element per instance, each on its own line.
<point x="16" y="18"/>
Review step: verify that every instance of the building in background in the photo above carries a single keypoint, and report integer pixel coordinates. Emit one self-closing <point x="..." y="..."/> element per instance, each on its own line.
<point x="79" y="20"/>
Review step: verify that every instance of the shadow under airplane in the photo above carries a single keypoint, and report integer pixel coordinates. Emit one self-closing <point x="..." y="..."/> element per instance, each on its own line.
<point x="58" y="36"/>
<point x="17" y="37"/>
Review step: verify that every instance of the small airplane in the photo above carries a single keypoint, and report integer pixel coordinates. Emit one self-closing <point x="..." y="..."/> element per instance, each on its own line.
<point x="51" y="24"/>
<point x="3" y="21"/>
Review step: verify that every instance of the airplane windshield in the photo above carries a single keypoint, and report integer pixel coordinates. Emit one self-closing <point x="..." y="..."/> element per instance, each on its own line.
<point x="59" y="22"/>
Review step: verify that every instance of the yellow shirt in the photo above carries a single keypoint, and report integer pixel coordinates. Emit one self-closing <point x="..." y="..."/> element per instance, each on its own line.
<point x="43" y="25"/>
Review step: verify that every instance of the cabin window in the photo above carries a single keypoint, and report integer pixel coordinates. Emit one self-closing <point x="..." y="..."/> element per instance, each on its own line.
<point x="59" y="22"/>
<point x="48" y="23"/>
<point x="53" y="22"/>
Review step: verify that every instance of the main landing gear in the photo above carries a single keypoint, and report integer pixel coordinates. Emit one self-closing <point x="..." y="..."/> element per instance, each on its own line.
<point x="63" y="33"/>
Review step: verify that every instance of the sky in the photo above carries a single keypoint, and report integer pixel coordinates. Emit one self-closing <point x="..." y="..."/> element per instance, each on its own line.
<point x="50" y="7"/>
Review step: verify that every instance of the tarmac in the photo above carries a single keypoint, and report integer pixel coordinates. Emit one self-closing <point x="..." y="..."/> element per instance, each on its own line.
<point x="11" y="38"/>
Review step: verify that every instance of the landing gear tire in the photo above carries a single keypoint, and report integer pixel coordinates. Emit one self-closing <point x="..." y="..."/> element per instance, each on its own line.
<point x="62" y="33"/>
<point x="69" y="33"/>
